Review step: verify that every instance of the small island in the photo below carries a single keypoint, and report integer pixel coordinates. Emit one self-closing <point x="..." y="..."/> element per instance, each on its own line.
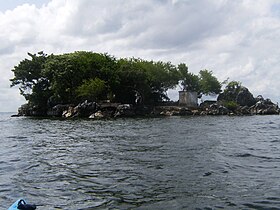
<point x="95" y="85"/>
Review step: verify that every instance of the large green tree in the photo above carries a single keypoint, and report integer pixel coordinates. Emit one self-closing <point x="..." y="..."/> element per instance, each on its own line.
<point x="92" y="89"/>
<point x="203" y="83"/>
<point x="47" y="80"/>
<point x="189" y="81"/>
<point x="149" y="79"/>
<point x="209" y="84"/>
<point x="33" y="83"/>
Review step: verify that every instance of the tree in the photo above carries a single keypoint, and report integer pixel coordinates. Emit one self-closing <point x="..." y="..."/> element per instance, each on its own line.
<point x="208" y="83"/>
<point x="148" y="79"/>
<point x="204" y="83"/>
<point x="189" y="81"/>
<point x="66" y="72"/>
<point x="48" y="80"/>
<point x="28" y="73"/>
<point x="93" y="89"/>
<point x="230" y="92"/>
<point x="233" y="86"/>
<point x="34" y="85"/>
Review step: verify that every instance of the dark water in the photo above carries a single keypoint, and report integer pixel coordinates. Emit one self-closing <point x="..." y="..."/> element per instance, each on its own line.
<point x="162" y="163"/>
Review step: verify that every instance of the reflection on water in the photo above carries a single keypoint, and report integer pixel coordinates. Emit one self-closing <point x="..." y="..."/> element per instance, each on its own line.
<point x="162" y="163"/>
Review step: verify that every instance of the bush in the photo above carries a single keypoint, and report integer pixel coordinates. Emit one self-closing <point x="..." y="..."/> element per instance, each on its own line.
<point x="231" y="105"/>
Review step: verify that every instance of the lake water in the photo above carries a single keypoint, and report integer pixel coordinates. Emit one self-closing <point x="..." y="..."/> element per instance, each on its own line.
<point x="159" y="163"/>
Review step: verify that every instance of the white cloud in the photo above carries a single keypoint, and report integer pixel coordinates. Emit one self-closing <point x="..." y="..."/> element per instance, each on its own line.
<point x="237" y="39"/>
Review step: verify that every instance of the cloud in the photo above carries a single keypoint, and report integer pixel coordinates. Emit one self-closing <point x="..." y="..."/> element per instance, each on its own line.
<point x="237" y="39"/>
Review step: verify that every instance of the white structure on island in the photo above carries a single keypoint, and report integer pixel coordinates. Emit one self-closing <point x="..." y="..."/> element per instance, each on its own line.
<point x="188" y="99"/>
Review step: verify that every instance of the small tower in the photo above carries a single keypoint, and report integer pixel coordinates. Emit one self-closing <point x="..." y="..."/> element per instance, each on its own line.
<point x="188" y="99"/>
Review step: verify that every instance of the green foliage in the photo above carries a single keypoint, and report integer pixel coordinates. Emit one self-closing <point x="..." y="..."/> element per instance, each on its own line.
<point x="209" y="84"/>
<point x="233" y="86"/>
<point x="28" y="74"/>
<point x="93" y="89"/>
<point x="204" y="83"/>
<point x="231" y="91"/>
<point x="47" y="80"/>
<point x="231" y="105"/>
<point x="189" y="81"/>
<point x="149" y="79"/>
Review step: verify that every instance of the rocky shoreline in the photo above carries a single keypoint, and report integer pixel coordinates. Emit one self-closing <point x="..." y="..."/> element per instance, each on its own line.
<point x="93" y="110"/>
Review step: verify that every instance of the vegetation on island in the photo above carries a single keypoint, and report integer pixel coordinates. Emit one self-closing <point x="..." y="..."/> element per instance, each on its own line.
<point x="47" y="80"/>
<point x="76" y="84"/>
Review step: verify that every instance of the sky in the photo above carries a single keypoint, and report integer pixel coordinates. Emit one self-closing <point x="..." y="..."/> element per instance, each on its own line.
<point x="239" y="39"/>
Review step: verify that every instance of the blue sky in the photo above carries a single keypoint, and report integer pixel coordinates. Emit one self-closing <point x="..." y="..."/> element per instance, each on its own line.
<point x="237" y="39"/>
<point x="11" y="4"/>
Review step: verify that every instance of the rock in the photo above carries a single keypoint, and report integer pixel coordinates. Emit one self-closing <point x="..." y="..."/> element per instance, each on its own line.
<point x="143" y="110"/>
<point x="185" y="111"/>
<point x="196" y="112"/>
<point x="241" y="96"/>
<point x="70" y="112"/>
<point x="207" y="173"/>
<point x="86" y="108"/>
<point x="166" y="113"/>
<point x="214" y="109"/>
<point x="15" y="115"/>
<point x="29" y="110"/>
<point x="206" y="104"/>
<point x="97" y="115"/>
<point x="270" y="111"/>
<point x="125" y="110"/>
<point x="259" y="98"/>
<point x="24" y="110"/>
<point x="268" y="102"/>
<point x="264" y="107"/>
<point x="91" y="116"/>
<point x="203" y="113"/>
<point x="57" y="110"/>
<point x="223" y="110"/>
<point x="245" y="97"/>
<point x="245" y="110"/>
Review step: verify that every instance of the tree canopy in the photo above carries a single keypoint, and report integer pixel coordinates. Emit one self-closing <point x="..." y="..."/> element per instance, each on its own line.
<point x="46" y="80"/>
<point x="204" y="83"/>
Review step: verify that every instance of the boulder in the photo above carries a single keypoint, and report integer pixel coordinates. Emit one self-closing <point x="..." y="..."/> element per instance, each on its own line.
<point x="166" y="113"/>
<point x="264" y="107"/>
<point x="57" y="110"/>
<point x="223" y="110"/>
<point x="70" y="112"/>
<point x="86" y="108"/>
<point x="259" y="98"/>
<point x="24" y="110"/>
<point x="185" y="111"/>
<point x="206" y="104"/>
<point x="196" y="112"/>
<point x="245" y="97"/>
<point x="125" y="110"/>
<point x="214" y="109"/>
<point x="97" y="115"/>
<point x="241" y="96"/>
<point x="244" y="110"/>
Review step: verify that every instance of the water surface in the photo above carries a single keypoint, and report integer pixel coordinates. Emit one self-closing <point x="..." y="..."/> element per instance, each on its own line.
<point x="161" y="163"/>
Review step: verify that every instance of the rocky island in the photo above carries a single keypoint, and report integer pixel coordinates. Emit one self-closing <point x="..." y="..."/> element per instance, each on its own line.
<point x="96" y="86"/>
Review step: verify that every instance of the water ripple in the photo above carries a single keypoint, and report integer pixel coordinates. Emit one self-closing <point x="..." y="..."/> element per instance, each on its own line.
<point x="161" y="163"/>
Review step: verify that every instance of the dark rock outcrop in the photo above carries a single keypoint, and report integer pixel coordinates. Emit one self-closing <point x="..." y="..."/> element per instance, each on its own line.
<point x="245" y="97"/>
<point x="264" y="107"/>
<point x="83" y="109"/>
<point x="244" y="104"/>
<point x="29" y="110"/>
<point x="242" y="96"/>
<point x="57" y="110"/>
<point x="125" y="110"/>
